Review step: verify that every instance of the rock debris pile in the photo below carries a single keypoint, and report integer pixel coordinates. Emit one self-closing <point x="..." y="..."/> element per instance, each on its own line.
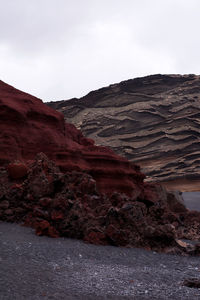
<point x="70" y="205"/>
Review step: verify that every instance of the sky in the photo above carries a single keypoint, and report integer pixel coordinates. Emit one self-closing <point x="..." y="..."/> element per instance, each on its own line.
<point x="60" y="49"/>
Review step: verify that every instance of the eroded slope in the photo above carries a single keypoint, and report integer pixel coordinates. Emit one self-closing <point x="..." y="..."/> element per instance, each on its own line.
<point x="153" y="121"/>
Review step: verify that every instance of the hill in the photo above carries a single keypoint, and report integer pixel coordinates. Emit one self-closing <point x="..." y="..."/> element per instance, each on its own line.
<point x="152" y="121"/>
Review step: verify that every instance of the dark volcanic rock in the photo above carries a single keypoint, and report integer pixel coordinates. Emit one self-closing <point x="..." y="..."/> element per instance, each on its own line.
<point x="192" y="283"/>
<point x="69" y="204"/>
<point x="153" y="121"/>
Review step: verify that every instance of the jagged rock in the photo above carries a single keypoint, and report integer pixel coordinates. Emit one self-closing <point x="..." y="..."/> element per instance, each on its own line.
<point x="152" y="121"/>
<point x="56" y="204"/>
<point x="76" y="189"/>
<point x="4" y="204"/>
<point x="17" y="170"/>
<point x="192" y="283"/>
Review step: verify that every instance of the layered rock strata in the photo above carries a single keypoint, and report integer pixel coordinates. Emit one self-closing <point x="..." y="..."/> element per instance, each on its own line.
<point x="76" y="189"/>
<point x="153" y="121"/>
<point x="28" y="127"/>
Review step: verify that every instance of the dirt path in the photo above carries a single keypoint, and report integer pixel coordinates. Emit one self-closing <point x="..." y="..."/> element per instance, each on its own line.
<point x="34" y="267"/>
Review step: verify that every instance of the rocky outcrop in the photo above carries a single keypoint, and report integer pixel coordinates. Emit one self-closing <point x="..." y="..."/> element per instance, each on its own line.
<point x="76" y="189"/>
<point x="27" y="127"/>
<point x="153" y="121"/>
<point x="69" y="204"/>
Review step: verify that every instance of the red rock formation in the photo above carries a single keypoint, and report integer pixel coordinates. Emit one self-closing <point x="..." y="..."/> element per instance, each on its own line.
<point x="68" y="204"/>
<point x="28" y="127"/>
<point x="73" y="203"/>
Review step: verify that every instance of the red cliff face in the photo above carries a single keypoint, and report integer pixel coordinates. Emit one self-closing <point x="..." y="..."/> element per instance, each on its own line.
<point x="87" y="200"/>
<point x="27" y="127"/>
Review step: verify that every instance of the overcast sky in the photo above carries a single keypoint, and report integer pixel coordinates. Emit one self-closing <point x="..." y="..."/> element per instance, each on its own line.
<point x="59" y="49"/>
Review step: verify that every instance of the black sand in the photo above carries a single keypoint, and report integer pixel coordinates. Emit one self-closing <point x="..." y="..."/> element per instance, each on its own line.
<point x="33" y="267"/>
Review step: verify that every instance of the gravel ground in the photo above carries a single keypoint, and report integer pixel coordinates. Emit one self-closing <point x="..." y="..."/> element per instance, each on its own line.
<point x="33" y="267"/>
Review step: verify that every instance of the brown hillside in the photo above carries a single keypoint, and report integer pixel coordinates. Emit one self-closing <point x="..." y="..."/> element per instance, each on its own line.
<point x="153" y="121"/>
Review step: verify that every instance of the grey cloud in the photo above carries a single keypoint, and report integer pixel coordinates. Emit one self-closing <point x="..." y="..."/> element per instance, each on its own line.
<point x="57" y="49"/>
